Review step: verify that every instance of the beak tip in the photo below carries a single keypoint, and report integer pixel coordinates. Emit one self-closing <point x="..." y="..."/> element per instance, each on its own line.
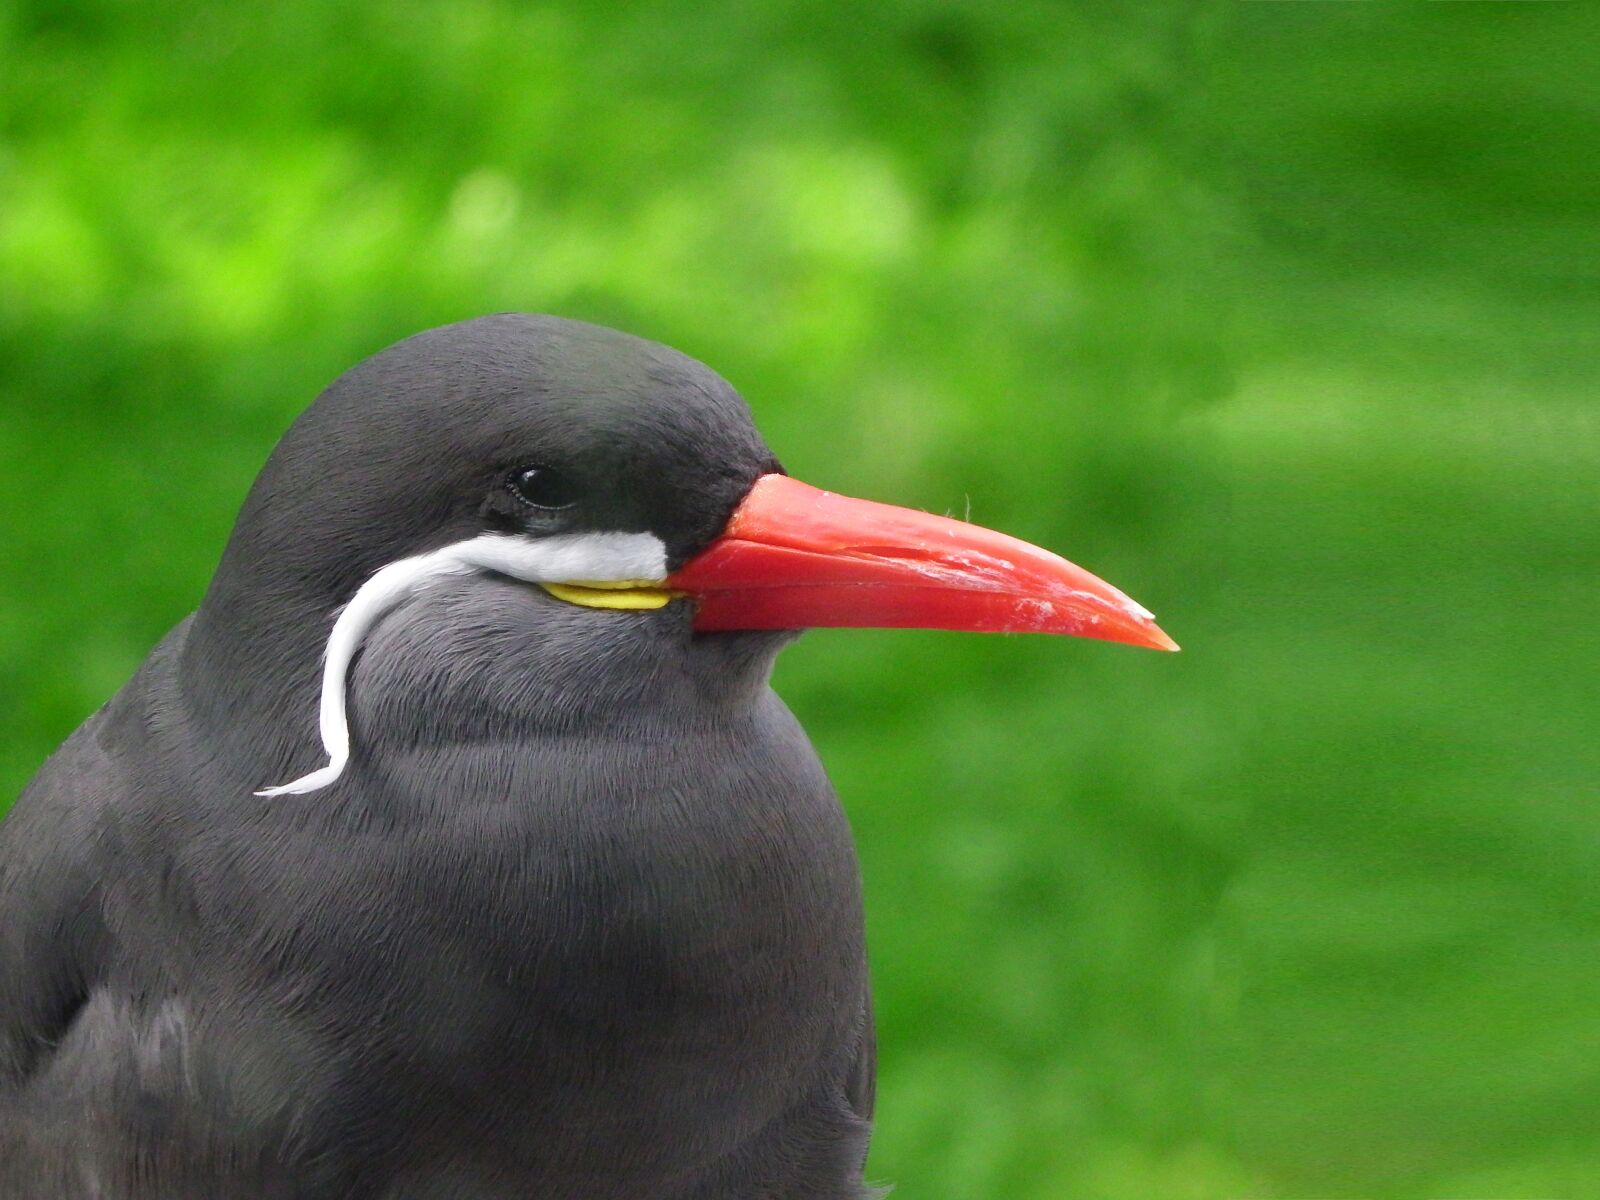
<point x="1158" y="640"/>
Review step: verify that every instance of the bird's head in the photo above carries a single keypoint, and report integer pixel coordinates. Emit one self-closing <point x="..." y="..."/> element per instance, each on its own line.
<point x="562" y="481"/>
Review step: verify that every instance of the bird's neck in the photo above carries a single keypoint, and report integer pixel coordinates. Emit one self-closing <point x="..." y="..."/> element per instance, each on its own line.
<point x="247" y="676"/>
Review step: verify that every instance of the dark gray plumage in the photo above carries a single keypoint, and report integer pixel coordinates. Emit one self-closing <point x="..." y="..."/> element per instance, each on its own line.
<point x="581" y="920"/>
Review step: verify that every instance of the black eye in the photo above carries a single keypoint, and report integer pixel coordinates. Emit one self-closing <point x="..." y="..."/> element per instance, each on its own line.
<point x="542" y="488"/>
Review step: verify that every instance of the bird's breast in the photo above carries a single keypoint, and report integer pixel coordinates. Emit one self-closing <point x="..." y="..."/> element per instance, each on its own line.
<point x="662" y="932"/>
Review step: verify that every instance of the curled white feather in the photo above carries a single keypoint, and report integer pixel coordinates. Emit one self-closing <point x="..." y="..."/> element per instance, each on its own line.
<point x="588" y="557"/>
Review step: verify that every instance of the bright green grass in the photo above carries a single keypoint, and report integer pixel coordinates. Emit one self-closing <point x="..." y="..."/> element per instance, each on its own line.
<point x="1281" y="316"/>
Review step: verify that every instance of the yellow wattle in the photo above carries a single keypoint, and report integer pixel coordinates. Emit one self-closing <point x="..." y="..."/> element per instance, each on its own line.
<point x="635" y="595"/>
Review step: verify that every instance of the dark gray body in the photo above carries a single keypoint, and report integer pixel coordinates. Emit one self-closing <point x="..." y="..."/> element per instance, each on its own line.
<point x="582" y="920"/>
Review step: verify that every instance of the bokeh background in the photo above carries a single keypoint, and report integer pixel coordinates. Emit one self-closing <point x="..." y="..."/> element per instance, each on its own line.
<point x="1281" y="316"/>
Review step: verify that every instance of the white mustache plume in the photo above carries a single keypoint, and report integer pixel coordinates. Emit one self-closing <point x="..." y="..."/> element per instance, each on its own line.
<point x="587" y="557"/>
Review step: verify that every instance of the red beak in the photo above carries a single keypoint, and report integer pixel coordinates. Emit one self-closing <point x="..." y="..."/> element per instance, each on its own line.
<point x="794" y="557"/>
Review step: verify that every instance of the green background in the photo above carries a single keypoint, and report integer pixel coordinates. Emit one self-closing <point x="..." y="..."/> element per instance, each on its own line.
<point x="1280" y="316"/>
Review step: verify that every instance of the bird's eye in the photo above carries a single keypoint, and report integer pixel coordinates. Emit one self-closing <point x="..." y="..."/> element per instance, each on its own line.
<point x="540" y="487"/>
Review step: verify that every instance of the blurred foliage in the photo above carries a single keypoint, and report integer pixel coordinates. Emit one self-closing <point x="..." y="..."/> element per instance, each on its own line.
<point x="1279" y="315"/>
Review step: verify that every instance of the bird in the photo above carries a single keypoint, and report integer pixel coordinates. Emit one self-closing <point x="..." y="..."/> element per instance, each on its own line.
<point x="457" y="847"/>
